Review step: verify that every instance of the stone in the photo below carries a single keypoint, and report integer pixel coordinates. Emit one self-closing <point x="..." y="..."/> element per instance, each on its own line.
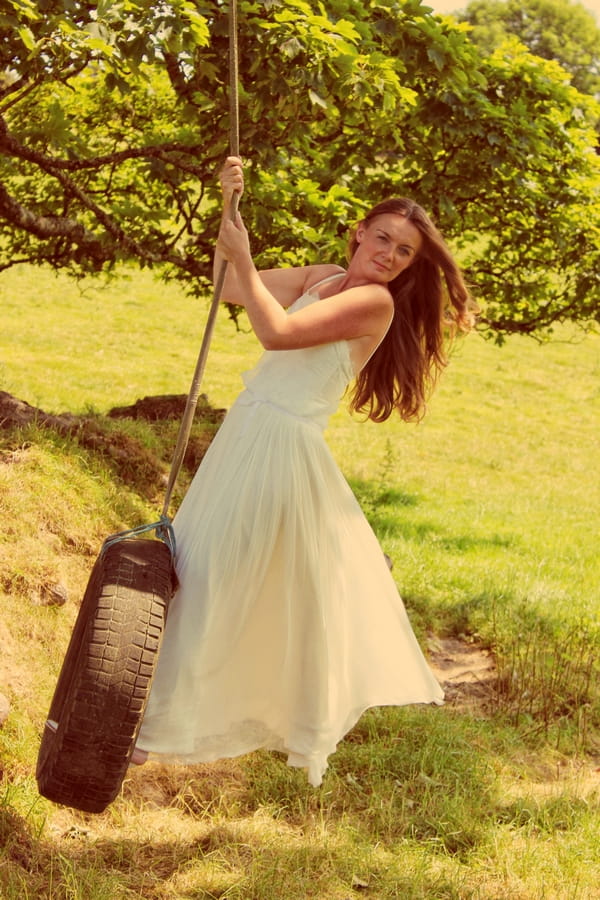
<point x="53" y="594"/>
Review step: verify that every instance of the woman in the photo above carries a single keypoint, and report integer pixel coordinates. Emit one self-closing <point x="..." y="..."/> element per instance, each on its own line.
<point x="287" y="624"/>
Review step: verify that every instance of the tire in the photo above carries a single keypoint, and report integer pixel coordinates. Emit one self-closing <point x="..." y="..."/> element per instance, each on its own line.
<point x="105" y="679"/>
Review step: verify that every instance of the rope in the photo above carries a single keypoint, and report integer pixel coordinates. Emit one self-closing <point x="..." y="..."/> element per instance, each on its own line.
<point x="234" y="144"/>
<point x="164" y="529"/>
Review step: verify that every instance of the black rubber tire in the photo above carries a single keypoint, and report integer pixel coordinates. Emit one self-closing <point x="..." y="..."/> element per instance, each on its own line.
<point x="105" y="679"/>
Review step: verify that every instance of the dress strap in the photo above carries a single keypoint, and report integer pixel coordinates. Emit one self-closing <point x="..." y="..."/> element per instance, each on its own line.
<point x="324" y="281"/>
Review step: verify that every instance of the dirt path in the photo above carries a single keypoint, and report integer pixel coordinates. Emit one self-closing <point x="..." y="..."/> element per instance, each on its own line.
<point x="466" y="671"/>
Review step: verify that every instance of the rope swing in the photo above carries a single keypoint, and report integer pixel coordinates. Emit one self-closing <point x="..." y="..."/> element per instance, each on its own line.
<point x="104" y="684"/>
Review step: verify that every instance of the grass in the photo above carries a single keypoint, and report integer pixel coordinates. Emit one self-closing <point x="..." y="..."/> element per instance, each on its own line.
<point x="488" y="509"/>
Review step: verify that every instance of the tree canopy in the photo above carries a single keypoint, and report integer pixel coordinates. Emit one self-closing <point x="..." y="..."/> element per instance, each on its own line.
<point x="114" y="121"/>
<point x="563" y="30"/>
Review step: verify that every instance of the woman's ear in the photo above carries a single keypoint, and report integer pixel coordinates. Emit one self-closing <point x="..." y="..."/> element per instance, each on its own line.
<point x="360" y="233"/>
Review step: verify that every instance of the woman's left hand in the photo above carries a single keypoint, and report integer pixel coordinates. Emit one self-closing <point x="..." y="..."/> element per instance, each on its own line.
<point x="233" y="241"/>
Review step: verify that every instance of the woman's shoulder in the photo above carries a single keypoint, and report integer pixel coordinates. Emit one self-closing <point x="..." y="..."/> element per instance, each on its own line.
<point x="288" y="284"/>
<point x="318" y="273"/>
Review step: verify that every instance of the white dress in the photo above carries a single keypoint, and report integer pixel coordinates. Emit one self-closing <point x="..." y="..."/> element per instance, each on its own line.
<point x="287" y="624"/>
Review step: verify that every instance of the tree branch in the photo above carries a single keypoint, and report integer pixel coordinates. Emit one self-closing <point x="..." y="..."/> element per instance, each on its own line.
<point x="41" y="226"/>
<point x="11" y="147"/>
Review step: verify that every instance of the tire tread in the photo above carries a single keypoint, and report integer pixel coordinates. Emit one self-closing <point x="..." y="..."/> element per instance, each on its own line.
<point x="105" y="679"/>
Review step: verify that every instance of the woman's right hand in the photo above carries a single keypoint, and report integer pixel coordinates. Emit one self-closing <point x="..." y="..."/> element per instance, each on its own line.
<point x="231" y="177"/>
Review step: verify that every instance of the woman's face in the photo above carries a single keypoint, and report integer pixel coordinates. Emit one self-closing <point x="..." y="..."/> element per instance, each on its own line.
<point x="386" y="246"/>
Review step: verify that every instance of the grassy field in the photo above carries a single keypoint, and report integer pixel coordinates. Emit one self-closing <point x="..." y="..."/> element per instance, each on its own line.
<point x="489" y="510"/>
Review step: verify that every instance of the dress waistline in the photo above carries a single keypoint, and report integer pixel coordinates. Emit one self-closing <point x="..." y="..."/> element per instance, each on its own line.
<point x="250" y="399"/>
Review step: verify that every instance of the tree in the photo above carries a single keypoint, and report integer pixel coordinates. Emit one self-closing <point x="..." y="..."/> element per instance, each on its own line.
<point x="114" y="120"/>
<point x="562" y="30"/>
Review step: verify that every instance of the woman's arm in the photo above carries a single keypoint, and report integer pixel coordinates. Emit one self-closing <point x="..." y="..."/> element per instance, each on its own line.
<point x="362" y="311"/>
<point x="286" y="285"/>
<point x="232" y="182"/>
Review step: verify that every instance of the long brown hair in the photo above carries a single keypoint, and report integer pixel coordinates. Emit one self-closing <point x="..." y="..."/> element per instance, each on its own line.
<point x="431" y="303"/>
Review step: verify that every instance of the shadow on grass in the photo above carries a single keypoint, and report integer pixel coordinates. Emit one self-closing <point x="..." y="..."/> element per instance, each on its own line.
<point x="409" y="791"/>
<point x="388" y="511"/>
<point x="258" y="851"/>
<point x="402" y="774"/>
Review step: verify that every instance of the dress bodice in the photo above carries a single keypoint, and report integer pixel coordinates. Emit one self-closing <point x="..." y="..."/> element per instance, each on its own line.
<point x="306" y="383"/>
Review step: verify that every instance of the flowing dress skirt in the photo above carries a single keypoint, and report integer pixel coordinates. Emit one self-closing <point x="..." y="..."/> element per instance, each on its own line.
<point x="287" y="624"/>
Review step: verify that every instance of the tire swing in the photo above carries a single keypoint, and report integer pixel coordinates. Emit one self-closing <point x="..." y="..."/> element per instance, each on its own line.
<point x="104" y="683"/>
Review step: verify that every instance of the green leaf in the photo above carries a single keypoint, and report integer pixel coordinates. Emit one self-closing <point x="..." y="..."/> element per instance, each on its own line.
<point x="27" y="36"/>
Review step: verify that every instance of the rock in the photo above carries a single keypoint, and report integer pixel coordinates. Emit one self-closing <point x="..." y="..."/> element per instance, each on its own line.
<point x="53" y="594"/>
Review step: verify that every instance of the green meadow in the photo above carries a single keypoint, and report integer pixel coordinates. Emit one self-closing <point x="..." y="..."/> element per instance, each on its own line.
<point x="489" y="511"/>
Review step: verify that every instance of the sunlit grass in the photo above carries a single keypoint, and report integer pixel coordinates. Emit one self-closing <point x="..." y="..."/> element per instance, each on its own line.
<point x="65" y="346"/>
